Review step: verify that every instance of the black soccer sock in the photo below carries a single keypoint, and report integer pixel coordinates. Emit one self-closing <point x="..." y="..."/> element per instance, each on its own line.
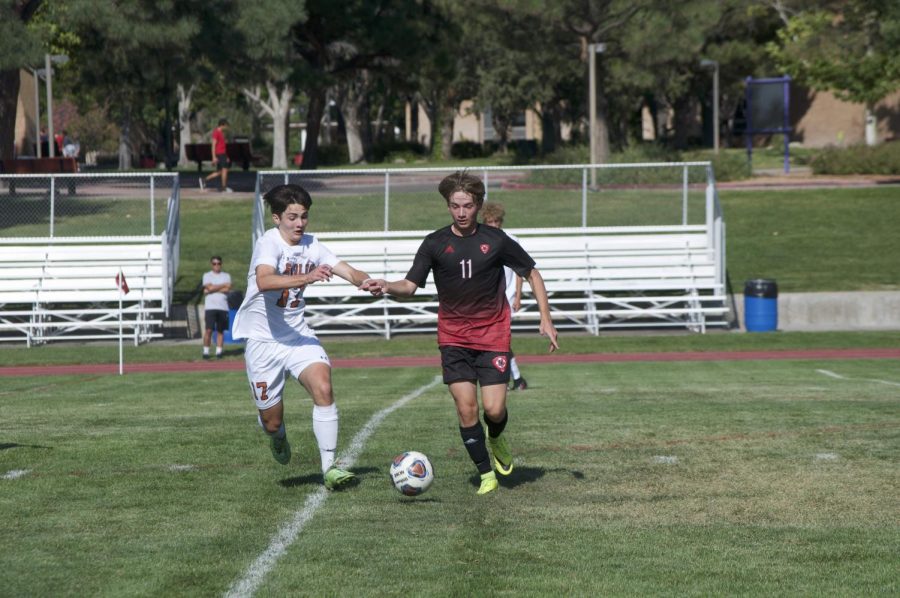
<point x="496" y="428"/>
<point x="474" y="441"/>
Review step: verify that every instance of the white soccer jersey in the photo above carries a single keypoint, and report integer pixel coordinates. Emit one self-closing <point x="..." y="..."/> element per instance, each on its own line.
<point x="278" y="315"/>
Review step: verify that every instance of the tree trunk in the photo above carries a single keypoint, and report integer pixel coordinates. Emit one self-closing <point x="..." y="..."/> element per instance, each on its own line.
<point x="9" y="100"/>
<point x="871" y="125"/>
<point x="125" y="155"/>
<point x="550" y="128"/>
<point x="351" y="100"/>
<point x="313" y="126"/>
<point x="185" y="97"/>
<point x="447" y="122"/>
<point x="602" y="129"/>
<point x="280" y="104"/>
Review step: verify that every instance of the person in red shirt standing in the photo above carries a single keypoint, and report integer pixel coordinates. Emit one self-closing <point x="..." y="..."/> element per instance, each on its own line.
<point x="467" y="260"/>
<point x="221" y="158"/>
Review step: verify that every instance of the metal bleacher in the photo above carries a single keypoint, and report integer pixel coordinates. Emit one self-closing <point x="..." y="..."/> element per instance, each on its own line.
<point x="64" y="286"/>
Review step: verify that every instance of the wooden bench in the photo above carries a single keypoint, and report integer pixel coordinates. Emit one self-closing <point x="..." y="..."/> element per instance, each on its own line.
<point x="66" y="290"/>
<point x="596" y="278"/>
<point x="239" y="152"/>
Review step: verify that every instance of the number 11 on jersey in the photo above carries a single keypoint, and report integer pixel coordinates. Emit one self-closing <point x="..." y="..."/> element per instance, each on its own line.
<point x="466" y="266"/>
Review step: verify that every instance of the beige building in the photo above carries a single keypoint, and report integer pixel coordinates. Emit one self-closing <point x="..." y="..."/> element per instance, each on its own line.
<point x="820" y="119"/>
<point x="470" y="125"/>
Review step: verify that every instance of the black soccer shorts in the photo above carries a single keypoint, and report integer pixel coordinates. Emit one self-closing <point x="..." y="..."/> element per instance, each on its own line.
<point x="216" y="319"/>
<point x="485" y="367"/>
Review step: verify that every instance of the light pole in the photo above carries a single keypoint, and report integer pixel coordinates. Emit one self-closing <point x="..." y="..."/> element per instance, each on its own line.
<point x="54" y="59"/>
<point x="593" y="50"/>
<point x="707" y="63"/>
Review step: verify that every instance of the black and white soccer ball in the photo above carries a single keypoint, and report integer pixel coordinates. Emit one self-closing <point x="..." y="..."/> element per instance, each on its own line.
<point x="411" y="473"/>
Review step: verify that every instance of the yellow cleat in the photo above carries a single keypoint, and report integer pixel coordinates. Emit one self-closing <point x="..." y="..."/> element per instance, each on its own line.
<point x="488" y="483"/>
<point x="503" y="462"/>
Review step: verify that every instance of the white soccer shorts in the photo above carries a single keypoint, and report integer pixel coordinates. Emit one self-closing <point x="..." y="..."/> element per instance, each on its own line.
<point x="268" y="361"/>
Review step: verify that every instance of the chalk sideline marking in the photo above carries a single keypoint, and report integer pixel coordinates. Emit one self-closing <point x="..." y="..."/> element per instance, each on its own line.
<point x="265" y="562"/>
<point x="13" y="474"/>
<point x="831" y="374"/>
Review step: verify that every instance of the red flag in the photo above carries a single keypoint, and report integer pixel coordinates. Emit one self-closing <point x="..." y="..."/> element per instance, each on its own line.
<point x="120" y="282"/>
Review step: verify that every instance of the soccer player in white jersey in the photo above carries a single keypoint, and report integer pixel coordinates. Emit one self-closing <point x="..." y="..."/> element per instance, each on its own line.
<point x="493" y="214"/>
<point x="279" y="340"/>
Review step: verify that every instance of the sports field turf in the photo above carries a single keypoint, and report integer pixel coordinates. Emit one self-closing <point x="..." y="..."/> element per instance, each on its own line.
<point x="701" y="478"/>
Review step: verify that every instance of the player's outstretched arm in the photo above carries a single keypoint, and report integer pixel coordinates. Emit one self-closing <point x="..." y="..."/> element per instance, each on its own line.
<point x="268" y="279"/>
<point x="540" y="294"/>
<point x="350" y="274"/>
<point x="398" y="288"/>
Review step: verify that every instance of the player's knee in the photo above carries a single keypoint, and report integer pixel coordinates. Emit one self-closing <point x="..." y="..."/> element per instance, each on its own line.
<point x="271" y="422"/>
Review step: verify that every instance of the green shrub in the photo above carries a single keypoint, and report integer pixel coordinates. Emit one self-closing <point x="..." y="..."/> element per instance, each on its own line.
<point x="726" y="166"/>
<point x="465" y="150"/>
<point x="333" y="155"/>
<point x="399" y="151"/>
<point x="858" y="159"/>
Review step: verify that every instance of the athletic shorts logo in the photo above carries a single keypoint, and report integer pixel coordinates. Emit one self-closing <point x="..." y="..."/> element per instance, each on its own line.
<point x="485" y="248"/>
<point x="500" y="363"/>
<point x="449" y="249"/>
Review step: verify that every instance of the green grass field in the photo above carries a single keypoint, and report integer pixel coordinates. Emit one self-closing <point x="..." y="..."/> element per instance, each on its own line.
<point x="703" y="478"/>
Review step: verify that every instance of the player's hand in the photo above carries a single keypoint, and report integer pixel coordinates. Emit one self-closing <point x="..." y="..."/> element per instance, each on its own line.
<point x="516" y="304"/>
<point x="321" y="273"/>
<point x="376" y="286"/>
<point x="549" y="330"/>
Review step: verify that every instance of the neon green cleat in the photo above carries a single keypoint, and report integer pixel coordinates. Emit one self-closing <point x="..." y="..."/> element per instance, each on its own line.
<point x="489" y="483"/>
<point x="336" y="478"/>
<point x="281" y="449"/>
<point x="503" y="461"/>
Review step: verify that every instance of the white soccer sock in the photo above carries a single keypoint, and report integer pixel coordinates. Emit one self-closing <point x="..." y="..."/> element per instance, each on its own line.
<point x="514" y="368"/>
<point x="218" y="350"/>
<point x="325" y="427"/>
<point x="206" y="350"/>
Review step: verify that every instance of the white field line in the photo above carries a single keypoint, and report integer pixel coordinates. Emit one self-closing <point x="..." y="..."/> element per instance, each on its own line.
<point x="13" y="474"/>
<point x="831" y="374"/>
<point x="288" y="533"/>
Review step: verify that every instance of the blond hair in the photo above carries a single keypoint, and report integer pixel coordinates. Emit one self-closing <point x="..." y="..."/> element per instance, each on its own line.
<point x="493" y="211"/>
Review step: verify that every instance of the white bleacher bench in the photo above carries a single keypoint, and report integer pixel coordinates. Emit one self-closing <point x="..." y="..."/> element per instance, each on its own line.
<point x="601" y="277"/>
<point x="65" y="289"/>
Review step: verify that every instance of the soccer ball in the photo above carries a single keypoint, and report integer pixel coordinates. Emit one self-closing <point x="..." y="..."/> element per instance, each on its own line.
<point x="411" y="473"/>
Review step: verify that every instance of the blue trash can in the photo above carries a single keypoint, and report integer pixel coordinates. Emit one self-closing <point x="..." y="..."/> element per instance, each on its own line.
<point x="760" y="305"/>
<point x="234" y="302"/>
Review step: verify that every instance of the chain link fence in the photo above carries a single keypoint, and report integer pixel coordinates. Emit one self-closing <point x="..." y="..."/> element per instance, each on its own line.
<point x="85" y="205"/>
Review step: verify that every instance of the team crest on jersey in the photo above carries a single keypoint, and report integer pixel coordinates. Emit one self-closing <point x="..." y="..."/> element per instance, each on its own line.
<point x="485" y="248"/>
<point x="500" y="363"/>
<point x="449" y="249"/>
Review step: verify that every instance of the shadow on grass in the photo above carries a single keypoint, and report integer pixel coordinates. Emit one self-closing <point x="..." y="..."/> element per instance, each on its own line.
<point x="9" y="445"/>
<point x="315" y="479"/>
<point x="524" y="475"/>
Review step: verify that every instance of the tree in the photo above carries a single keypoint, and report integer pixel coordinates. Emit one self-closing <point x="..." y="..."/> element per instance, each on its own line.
<point x="269" y="68"/>
<point x="20" y="47"/>
<point x="133" y="54"/>
<point x="849" y="48"/>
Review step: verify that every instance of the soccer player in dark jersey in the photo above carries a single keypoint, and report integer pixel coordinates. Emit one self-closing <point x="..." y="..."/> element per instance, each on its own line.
<point x="467" y="259"/>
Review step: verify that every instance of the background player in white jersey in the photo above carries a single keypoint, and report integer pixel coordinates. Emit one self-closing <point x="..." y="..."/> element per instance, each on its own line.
<point x="285" y="260"/>
<point x="493" y="214"/>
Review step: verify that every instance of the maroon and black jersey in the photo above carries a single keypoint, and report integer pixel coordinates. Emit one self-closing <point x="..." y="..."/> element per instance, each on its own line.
<point x="468" y="273"/>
